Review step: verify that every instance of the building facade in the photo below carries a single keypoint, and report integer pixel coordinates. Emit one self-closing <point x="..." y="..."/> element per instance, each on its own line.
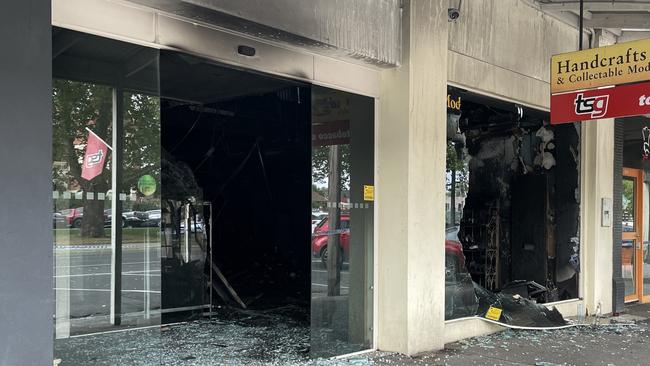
<point x="378" y="88"/>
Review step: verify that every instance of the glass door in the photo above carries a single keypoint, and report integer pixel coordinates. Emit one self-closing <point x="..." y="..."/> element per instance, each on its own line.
<point x="342" y="218"/>
<point x="106" y="191"/>
<point x="631" y="251"/>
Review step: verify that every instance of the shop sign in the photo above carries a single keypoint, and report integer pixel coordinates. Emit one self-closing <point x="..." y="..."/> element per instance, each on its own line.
<point x="621" y="63"/>
<point x="330" y="133"/>
<point x="368" y="193"/>
<point x="147" y="185"/>
<point x="94" y="157"/>
<point x="494" y="313"/>
<point x="453" y="102"/>
<point x="619" y="101"/>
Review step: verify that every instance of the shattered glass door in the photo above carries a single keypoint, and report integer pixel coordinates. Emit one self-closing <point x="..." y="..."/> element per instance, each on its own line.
<point x="342" y="222"/>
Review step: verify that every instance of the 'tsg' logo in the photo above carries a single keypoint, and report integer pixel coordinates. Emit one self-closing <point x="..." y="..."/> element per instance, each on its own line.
<point x="594" y="106"/>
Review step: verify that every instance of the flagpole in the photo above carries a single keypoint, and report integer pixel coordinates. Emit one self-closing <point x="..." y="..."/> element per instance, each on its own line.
<point x="100" y="139"/>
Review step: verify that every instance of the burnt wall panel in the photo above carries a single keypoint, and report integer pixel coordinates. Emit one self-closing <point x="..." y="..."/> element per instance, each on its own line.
<point x="357" y="29"/>
<point x="528" y="238"/>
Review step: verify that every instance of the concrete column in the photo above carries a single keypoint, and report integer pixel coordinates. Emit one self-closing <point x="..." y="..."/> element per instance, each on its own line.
<point x="411" y="158"/>
<point x="597" y="167"/>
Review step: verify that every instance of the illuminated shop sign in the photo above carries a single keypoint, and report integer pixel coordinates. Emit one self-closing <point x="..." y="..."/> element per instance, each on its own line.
<point x="611" y="65"/>
<point x="619" y="101"/>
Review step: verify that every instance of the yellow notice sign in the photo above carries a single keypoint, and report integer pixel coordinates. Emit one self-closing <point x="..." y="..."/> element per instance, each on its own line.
<point x="368" y="193"/>
<point x="493" y="313"/>
<point x="604" y="66"/>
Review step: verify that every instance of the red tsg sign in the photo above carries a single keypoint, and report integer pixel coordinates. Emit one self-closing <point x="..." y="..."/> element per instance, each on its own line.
<point x="618" y="101"/>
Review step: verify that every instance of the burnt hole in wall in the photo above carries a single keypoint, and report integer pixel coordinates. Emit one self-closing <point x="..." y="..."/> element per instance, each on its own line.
<point x="512" y="210"/>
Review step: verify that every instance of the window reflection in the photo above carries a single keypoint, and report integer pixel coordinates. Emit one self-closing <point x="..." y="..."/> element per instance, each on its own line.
<point x="342" y="221"/>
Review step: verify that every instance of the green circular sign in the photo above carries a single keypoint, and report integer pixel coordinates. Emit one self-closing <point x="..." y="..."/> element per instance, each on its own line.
<point x="147" y="185"/>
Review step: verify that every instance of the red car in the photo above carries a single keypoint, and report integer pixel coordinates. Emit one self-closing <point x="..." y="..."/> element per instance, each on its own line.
<point x="320" y="237"/>
<point x="454" y="257"/>
<point x="73" y="216"/>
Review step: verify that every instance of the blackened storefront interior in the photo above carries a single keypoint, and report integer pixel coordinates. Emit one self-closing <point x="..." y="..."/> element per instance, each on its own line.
<point x="210" y="231"/>
<point x="512" y="207"/>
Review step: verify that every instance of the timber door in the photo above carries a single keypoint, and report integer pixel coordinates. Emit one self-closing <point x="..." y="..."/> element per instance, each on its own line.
<point x="632" y="246"/>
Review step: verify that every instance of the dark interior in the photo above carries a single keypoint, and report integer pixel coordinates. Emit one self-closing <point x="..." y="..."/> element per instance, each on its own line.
<point x="520" y="218"/>
<point x="637" y="133"/>
<point x="245" y="139"/>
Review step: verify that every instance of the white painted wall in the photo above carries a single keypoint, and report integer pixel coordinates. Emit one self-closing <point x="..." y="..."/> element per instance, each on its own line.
<point x="410" y="182"/>
<point x="504" y="48"/>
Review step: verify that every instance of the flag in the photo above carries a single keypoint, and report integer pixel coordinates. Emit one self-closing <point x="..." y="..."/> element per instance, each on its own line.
<point x="95" y="157"/>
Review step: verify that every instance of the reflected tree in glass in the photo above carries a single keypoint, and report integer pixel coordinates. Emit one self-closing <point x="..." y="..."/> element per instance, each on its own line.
<point x="77" y="106"/>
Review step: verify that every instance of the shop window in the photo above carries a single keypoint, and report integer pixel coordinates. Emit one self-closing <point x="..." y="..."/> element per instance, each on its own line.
<point x="512" y="180"/>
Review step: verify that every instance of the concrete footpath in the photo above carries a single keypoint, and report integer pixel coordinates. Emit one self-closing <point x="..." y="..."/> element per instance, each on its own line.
<point x="622" y="340"/>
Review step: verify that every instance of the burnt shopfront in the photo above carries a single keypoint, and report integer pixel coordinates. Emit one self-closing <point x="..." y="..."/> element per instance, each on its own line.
<point x="512" y="205"/>
<point x="184" y="191"/>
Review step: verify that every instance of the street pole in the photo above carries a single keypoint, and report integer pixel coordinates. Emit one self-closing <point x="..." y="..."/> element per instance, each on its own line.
<point x="116" y="207"/>
<point x="334" y="226"/>
<point x="582" y="9"/>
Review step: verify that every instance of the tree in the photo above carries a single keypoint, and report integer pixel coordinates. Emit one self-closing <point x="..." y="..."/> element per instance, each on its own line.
<point x="457" y="177"/>
<point x="321" y="166"/>
<point x="77" y="106"/>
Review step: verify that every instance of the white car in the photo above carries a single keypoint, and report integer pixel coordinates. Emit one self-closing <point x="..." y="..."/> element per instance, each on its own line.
<point x="316" y="218"/>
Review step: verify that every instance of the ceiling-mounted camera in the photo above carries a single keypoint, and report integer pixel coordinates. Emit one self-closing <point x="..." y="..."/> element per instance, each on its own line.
<point x="453" y="14"/>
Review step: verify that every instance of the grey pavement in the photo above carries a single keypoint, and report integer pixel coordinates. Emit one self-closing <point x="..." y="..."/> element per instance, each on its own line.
<point x="625" y="342"/>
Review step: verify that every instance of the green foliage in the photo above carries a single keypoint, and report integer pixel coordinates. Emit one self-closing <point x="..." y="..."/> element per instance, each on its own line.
<point x="320" y="165"/>
<point x="77" y="106"/>
<point x="456" y="164"/>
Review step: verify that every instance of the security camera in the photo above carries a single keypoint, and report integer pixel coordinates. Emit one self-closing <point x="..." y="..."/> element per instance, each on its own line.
<point x="453" y="14"/>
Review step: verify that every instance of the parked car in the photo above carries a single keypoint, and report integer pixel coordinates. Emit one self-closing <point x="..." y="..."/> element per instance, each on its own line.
<point x="454" y="257"/>
<point x="58" y="220"/>
<point x="153" y="218"/>
<point x="129" y="218"/>
<point x="73" y="216"/>
<point x="316" y="218"/>
<point x="321" y="235"/>
<point x="198" y="226"/>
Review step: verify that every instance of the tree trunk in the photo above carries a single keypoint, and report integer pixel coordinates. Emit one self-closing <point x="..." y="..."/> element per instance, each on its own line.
<point x="452" y="192"/>
<point x="93" y="223"/>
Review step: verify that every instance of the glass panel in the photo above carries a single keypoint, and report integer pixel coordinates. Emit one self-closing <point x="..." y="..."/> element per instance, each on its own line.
<point x="82" y="113"/>
<point x="342" y="243"/>
<point x="629" y="199"/>
<point x="140" y="198"/>
<point x="628" y="255"/>
<point x="106" y="245"/>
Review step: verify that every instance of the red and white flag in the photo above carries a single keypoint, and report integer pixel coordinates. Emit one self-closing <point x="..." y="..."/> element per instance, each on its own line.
<point x="95" y="157"/>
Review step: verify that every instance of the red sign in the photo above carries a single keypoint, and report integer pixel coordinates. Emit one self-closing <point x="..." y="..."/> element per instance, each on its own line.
<point x="95" y="157"/>
<point x="330" y="133"/>
<point x="618" y="101"/>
